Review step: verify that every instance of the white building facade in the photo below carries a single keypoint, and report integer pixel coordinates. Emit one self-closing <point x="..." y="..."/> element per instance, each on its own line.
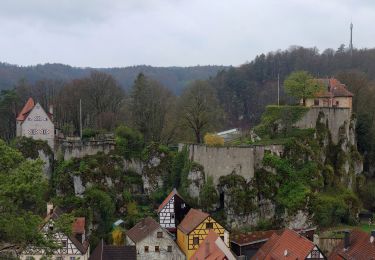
<point x="34" y="122"/>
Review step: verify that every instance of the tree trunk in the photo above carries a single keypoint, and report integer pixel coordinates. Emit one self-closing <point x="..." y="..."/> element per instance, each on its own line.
<point x="198" y="136"/>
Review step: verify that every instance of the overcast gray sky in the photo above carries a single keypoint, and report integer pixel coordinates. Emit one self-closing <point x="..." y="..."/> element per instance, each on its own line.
<point x="116" y="33"/>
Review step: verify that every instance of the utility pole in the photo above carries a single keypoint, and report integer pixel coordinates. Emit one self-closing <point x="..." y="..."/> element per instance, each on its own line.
<point x="80" y="118"/>
<point x="351" y="39"/>
<point x="278" y="89"/>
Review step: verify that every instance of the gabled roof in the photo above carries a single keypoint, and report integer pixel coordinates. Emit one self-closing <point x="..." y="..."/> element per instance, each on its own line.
<point x="77" y="226"/>
<point x="333" y="88"/>
<point x="168" y="198"/>
<point x="142" y="229"/>
<point x="108" y="252"/>
<point x="213" y="248"/>
<point x="360" y="247"/>
<point x="294" y="245"/>
<point x="26" y="110"/>
<point x="192" y="220"/>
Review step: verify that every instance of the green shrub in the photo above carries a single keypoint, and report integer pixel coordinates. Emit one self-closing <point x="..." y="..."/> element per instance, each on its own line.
<point x="129" y="142"/>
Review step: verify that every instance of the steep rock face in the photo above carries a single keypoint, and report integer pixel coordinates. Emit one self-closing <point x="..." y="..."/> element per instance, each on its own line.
<point x="247" y="201"/>
<point x="196" y="180"/>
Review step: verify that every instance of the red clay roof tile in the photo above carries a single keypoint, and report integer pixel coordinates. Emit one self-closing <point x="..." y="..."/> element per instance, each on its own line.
<point x="192" y="220"/>
<point x="296" y="246"/>
<point x="26" y="109"/>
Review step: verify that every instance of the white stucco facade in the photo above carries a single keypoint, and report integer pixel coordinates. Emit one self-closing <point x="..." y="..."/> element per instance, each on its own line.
<point x="153" y="247"/>
<point x="37" y="125"/>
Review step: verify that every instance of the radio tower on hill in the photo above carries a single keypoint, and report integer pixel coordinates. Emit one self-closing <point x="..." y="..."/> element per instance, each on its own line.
<point x="351" y="39"/>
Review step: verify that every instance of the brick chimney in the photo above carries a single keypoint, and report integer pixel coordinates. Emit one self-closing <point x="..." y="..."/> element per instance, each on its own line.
<point x="49" y="208"/>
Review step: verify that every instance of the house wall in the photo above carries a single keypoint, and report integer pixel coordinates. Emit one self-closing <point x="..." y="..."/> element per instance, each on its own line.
<point x="201" y="232"/>
<point x="165" y="216"/>
<point x="38" y="126"/>
<point x="151" y="241"/>
<point x="182" y="241"/>
<point x="344" y="102"/>
<point x="221" y="161"/>
<point x="63" y="257"/>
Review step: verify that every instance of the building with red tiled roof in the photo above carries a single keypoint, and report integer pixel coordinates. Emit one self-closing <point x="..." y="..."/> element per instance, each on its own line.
<point x="248" y="243"/>
<point x="172" y="211"/>
<point x="34" y="122"/>
<point x="288" y="245"/>
<point x="194" y="228"/>
<point x="152" y="241"/>
<point x="213" y="248"/>
<point x="357" y="245"/>
<point x="334" y="94"/>
<point x="73" y="246"/>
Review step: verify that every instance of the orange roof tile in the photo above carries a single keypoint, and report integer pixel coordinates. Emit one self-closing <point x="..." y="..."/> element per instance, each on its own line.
<point x="296" y="246"/>
<point x="252" y="237"/>
<point x="360" y="247"/>
<point x="168" y="198"/>
<point x="333" y="88"/>
<point x="208" y="249"/>
<point x="192" y="220"/>
<point x="26" y="109"/>
<point x="79" y="225"/>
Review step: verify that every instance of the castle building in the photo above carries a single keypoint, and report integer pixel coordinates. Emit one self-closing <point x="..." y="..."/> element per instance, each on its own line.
<point x="34" y="122"/>
<point x="334" y="94"/>
<point x="172" y="211"/>
<point x="194" y="228"/>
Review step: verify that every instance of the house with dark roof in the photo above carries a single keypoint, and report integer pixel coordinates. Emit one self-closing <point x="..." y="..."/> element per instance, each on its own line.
<point x="34" y="122"/>
<point x="110" y="252"/>
<point x="288" y="245"/>
<point x="72" y="246"/>
<point x="152" y="241"/>
<point x="213" y="248"/>
<point x="356" y="244"/>
<point x="334" y="94"/>
<point x="172" y="211"/>
<point x="248" y="243"/>
<point x="194" y="228"/>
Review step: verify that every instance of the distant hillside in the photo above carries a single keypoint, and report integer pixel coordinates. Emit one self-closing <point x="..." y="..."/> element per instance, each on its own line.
<point x="174" y="78"/>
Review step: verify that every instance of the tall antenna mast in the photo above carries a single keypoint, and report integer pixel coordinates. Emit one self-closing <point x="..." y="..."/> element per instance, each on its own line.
<point x="351" y="39"/>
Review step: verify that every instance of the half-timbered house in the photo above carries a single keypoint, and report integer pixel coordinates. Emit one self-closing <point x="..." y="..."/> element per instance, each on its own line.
<point x="289" y="245"/>
<point x="194" y="228"/>
<point x="172" y="211"/>
<point x="71" y="247"/>
<point x="152" y="241"/>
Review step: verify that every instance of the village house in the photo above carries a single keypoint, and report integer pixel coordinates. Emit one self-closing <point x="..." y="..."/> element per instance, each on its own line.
<point x="194" y="228"/>
<point x="288" y="245"/>
<point x="334" y="94"/>
<point x="356" y="244"/>
<point x="152" y="241"/>
<point x="172" y="211"/>
<point x="73" y="247"/>
<point x="110" y="252"/>
<point x="213" y="248"/>
<point x="33" y="121"/>
<point x="246" y="244"/>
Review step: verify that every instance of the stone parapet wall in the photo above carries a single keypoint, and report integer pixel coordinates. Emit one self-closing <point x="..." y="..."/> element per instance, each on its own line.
<point x="221" y="161"/>
<point x="69" y="149"/>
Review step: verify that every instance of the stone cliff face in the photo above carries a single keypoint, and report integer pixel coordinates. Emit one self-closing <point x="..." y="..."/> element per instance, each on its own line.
<point x="332" y="146"/>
